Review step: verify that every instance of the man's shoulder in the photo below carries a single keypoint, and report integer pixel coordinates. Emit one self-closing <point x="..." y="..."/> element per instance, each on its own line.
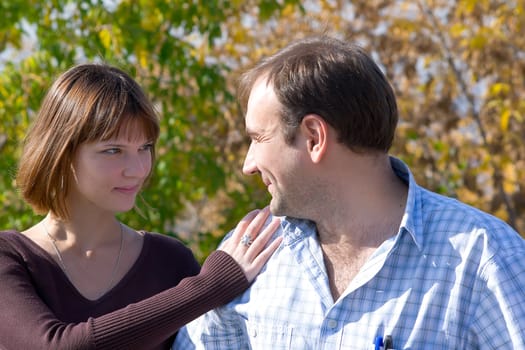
<point x="466" y="227"/>
<point x="438" y="208"/>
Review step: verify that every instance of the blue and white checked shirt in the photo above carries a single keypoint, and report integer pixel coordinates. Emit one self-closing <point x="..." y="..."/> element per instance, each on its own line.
<point x="452" y="277"/>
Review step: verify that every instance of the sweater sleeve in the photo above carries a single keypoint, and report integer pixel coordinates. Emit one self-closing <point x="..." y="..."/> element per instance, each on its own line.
<point x="220" y="280"/>
<point x="27" y="323"/>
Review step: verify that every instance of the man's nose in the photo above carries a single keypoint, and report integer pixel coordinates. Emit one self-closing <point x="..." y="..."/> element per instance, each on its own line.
<point x="249" y="167"/>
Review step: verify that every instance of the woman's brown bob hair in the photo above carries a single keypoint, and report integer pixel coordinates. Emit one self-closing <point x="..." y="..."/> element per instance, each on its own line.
<point x="87" y="103"/>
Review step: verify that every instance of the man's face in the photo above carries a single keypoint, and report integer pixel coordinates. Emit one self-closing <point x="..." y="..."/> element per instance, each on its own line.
<point x="278" y="163"/>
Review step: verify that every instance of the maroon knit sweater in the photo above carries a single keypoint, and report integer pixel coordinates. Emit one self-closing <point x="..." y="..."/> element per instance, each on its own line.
<point x="41" y="309"/>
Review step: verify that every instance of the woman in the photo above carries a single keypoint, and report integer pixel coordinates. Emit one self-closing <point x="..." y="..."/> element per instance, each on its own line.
<point x="80" y="279"/>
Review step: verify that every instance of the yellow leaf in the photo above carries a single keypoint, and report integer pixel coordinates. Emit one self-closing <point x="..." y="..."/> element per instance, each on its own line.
<point x="509" y="186"/>
<point x="143" y="58"/>
<point x="517" y="115"/>
<point x="478" y="42"/>
<point x="504" y="121"/>
<point x="502" y="213"/>
<point x="151" y="18"/>
<point x="457" y="29"/>
<point x="467" y="195"/>
<point x="470" y="5"/>
<point x="510" y="173"/>
<point x="499" y="88"/>
<point x="288" y="10"/>
<point x="3" y="91"/>
<point x="105" y="38"/>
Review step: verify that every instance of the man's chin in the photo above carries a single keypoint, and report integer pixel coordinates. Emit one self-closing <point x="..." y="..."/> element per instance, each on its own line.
<point x="274" y="208"/>
<point x="277" y="209"/>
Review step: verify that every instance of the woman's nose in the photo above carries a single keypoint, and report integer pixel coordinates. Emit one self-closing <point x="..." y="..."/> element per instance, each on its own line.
<point x="136" y="166"/>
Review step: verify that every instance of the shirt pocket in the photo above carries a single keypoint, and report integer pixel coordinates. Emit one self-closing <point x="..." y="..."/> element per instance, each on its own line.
<point x="264" y="336"/>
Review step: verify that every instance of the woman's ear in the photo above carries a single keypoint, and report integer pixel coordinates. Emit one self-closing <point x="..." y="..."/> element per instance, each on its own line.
<point x="315" y="131"/>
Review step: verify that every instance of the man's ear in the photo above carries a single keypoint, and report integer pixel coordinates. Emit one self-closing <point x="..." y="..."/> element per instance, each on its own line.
<point x="315" y="131"/>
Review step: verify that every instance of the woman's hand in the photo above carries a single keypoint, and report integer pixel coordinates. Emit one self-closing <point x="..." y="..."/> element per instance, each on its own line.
<point x="248" y="241"/>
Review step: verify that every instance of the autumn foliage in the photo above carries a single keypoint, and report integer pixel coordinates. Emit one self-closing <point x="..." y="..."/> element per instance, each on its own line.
<point x="458" y="69"/>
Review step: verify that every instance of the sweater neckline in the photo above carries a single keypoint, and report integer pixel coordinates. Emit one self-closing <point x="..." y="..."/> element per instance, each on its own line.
<point x="136" y="265"/>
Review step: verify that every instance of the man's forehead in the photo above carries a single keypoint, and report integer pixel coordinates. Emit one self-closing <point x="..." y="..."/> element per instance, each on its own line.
<point x="261" y="91"/>
<point x="253" y="124"/>
<point x="263" y="108"/>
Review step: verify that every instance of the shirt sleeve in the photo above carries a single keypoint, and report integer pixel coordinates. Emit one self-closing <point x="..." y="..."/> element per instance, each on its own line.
<point x="499" y="321"/>
<point x="221" y="328"/>
<point x="27" y="323"/>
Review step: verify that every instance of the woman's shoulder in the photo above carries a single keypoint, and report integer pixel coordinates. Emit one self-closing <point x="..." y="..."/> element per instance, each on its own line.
<point x="12" y="238"/>
<point x="15" y="243"/>
<point x="159" y="238"/>
<point x="7" y="234"/>
<point x="161" y="243"/>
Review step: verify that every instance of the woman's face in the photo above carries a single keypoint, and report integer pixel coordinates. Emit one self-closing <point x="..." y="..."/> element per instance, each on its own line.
<point x="108" y="175"/>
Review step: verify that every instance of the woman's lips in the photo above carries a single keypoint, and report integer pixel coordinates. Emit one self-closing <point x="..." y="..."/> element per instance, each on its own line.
<point x="128" y="189"/>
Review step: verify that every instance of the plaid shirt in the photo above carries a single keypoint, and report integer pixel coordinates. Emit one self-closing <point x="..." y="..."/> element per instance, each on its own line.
<point x="452" y="277"/>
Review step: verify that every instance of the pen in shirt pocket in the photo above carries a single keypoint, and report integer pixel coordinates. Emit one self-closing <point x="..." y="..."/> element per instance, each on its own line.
<point x="384" y="344"/>
<point x="388" y="343"/>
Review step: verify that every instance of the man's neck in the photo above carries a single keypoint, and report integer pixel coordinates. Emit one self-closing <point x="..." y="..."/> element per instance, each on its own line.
<point x="364" y="212"/>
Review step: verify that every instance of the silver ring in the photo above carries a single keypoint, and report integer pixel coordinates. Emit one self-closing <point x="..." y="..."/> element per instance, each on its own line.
<point x="246" y="240"/>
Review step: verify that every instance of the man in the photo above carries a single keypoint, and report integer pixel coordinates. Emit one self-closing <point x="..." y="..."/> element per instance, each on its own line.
<point x="369" y="259"/>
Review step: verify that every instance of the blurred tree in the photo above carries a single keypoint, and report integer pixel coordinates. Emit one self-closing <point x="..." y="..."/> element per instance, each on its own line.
<point x="166" y="46"/>
<point x="457" y="68"/>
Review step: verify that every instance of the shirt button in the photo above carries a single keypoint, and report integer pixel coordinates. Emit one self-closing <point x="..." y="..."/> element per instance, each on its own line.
<point x="254" y="332"/>
<point x="332" y="324"/>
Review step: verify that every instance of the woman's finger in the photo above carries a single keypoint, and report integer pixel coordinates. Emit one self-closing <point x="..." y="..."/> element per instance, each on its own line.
<point x="243" y="225"/>
<point x="248" y="244"/>
<point x="262" y="239"/>
<point x="245" y="234"/>
<point x="262" y="258"/>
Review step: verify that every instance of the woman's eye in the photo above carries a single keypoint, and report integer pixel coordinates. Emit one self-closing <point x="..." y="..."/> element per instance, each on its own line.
<point x="147" y="147"/>
<point x="111" y="151"/>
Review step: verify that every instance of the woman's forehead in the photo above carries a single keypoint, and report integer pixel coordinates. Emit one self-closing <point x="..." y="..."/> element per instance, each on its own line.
<point x="134" y="129"/>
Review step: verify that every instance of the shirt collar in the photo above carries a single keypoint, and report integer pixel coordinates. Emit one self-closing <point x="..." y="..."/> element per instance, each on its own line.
<point x="295" y="229"/>
<point x="412" y="222"/>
